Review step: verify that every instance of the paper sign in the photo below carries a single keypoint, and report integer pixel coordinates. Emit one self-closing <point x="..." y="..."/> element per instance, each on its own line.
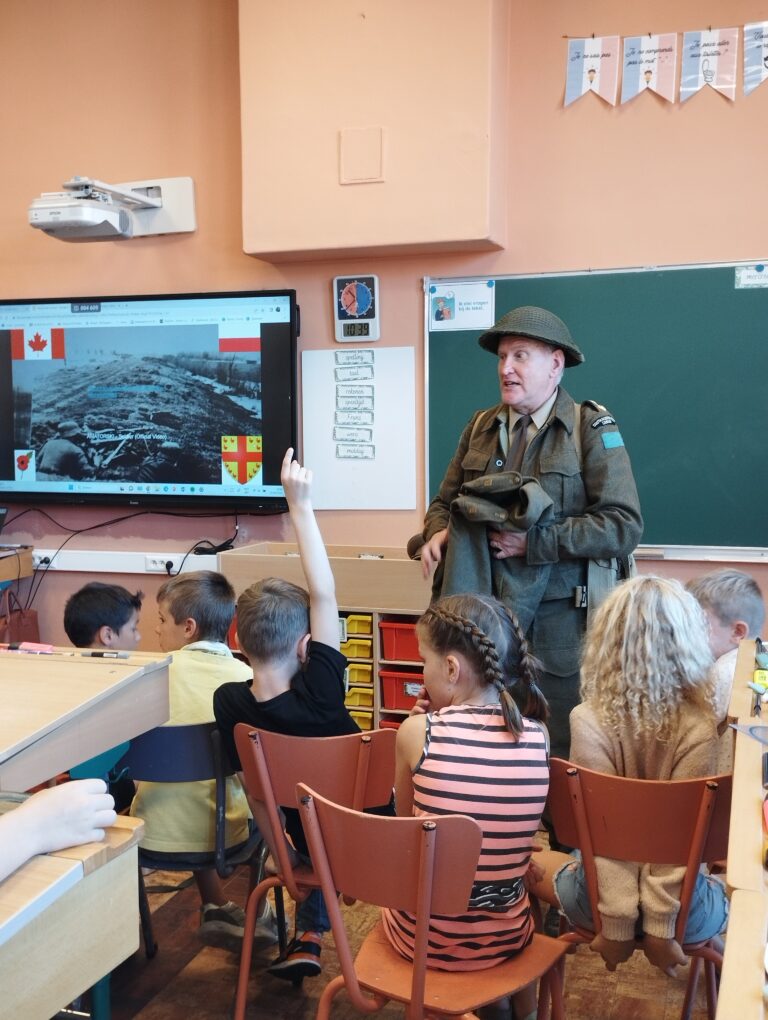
<point x="751" y="276"/>
<point x="755" y="55"/>
<point x="593" y="66"/>
<point x="650" y="63"/>
<point x="470" y="305"/>
<point x="709" y="58"/>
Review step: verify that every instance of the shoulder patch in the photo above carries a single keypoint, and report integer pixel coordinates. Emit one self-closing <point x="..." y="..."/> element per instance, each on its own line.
<point x="606" y="419"/>
<point x="611" y="440"/>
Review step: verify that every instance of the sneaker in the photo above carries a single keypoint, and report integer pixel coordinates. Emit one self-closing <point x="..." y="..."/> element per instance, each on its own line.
<point x="301" y="959"/>
<point x="266" y="926"/>
<point x="229" y="920"/>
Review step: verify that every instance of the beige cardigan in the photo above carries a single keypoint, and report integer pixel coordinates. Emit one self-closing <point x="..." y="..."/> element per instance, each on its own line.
<point x="627" y="888"/>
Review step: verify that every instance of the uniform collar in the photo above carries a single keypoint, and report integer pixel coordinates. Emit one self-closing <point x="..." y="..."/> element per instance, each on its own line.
<point x="559" y="405"/>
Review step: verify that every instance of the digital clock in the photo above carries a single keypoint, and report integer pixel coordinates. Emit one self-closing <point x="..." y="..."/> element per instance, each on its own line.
<point x="356" y="308"/>
<point x="352" y="330"/>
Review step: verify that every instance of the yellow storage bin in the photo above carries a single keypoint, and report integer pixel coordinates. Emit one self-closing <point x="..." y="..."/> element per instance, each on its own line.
<point x="359" y="697"/>
<point x="363" y="719"/>
<point x="358" y="673"/>
<point x="359" y="623"/>
<point x="357" y="648"/>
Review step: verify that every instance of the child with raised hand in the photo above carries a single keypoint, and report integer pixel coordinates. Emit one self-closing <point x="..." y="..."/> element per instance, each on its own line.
<point x="467" y="749"/>
<point x="647" y="713"/>
<point x="291" y="639"/>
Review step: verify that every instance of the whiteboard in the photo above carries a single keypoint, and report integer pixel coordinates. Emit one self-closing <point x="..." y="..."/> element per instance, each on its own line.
<point x="359" y="427"/>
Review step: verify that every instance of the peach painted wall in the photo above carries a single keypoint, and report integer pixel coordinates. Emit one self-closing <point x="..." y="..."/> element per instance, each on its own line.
<point x="128" y="91"/>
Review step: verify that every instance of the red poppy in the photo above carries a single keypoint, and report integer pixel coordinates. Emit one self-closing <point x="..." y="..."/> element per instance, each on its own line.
<point x="22" y="461"/>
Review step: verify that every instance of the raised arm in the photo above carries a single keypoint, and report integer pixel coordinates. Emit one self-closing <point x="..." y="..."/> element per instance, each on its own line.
<point x="323" y="609"/>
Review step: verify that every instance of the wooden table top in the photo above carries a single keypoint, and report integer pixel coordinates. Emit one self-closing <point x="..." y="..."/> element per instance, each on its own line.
<point x="63" y="708"/>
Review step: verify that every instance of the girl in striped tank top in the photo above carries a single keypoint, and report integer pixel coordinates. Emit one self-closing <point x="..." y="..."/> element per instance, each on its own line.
<point x="466" y="749"/>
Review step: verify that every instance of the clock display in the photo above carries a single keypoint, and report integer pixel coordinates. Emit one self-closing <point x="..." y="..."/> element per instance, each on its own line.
<point x="356" y="328"/>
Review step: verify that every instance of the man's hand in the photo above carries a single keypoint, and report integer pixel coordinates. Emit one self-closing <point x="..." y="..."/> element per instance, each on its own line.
<point x="507" y="543"/>
<point x="432" y="551"/>
<point x="665" y="954"/>
<point x="612" y="952"/>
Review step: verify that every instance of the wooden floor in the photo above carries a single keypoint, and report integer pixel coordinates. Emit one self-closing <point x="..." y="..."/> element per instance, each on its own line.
<point x="189" y="981"/>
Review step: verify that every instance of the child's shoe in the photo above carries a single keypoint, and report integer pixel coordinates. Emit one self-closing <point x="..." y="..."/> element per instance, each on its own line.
<point x="302" y="957"/>
<point x="227" y="919"/>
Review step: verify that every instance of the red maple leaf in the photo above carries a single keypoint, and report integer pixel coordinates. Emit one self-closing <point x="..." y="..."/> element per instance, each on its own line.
<point x="37" y="343"/>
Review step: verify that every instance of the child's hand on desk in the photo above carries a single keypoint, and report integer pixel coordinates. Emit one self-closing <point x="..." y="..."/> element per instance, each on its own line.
<point x="68" y="815"/>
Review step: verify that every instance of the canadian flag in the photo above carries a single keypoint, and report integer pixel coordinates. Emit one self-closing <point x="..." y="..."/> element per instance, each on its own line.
<point x="37" y="344"/>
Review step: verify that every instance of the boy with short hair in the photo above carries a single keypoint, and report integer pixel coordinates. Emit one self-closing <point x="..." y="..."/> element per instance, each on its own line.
<point x="735" y="610"/>
<point x="103" y="616"/>
<point x="291" y="638"/>
<point x="195" y="612"/>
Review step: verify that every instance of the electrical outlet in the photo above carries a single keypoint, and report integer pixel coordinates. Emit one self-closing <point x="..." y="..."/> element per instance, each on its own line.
<point x="41" y="560"/>
<point x="156" y="563"/>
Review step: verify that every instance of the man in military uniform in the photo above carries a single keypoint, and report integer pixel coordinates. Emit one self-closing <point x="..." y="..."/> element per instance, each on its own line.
<point x="62" y="457"/>
<point x="582" y="544"/>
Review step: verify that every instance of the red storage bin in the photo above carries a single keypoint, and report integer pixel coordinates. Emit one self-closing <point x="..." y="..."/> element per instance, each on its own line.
<point x="400" y="690"/>
<point x="390" y="724"/>
<point x="399" y="640"/>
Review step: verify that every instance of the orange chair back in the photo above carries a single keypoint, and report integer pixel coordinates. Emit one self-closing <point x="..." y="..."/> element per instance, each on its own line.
<point x="677" y="822"/>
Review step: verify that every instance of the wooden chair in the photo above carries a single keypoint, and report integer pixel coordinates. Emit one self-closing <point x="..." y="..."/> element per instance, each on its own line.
<point x="357" y="770"/>
<point x="187" y="754"/>
<point x="425" y="866"/>
<point x="681" y="822"/>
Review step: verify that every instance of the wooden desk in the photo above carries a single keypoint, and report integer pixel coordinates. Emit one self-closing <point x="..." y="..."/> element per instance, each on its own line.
<point x="66" y="920"/>
<point x="743" y="977"/>
<point x="16" y="564"/>
<point x="61" y="709"/>
<point x="745" y="839"/>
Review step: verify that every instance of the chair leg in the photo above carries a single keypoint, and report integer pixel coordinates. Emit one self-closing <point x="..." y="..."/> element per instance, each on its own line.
<point x="326" y="999"/>
<point x="145" y="916"/>
<point x="710" y="977"/>
<point x="246" y="953"/>
<point x="690" y="991"/>
<point x="101" y="1004"/>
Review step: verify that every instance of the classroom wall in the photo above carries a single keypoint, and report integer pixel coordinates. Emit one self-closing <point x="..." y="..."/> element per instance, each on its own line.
<point x="151" y="89"/>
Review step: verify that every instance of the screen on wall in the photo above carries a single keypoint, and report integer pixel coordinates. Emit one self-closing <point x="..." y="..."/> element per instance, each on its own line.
<point x="182" y="400"/>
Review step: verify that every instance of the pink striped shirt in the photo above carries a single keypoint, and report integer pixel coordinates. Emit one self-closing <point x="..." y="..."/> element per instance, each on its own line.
<point x="472" y="765"/>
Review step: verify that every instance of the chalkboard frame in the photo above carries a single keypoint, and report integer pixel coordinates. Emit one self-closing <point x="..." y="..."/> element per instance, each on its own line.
<point x="665" y="348"/>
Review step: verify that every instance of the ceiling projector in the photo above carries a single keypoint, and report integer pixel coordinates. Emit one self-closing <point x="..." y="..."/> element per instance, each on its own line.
<point x="61" y="214"/>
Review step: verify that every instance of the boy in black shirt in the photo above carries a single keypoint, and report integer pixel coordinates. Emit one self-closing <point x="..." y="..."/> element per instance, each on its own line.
<point x="291" y="638"/>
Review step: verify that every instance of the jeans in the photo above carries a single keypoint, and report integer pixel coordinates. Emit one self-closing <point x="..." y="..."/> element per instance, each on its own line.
<point x="312" y="914"/>
<point x="707" y="917"/>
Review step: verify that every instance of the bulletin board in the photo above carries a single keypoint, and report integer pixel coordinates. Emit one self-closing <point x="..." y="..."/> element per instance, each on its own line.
<point x="678" y="355"/>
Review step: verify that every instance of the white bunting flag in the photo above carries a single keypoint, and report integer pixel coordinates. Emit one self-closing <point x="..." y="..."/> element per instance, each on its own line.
<point x="709" y="58"/>
<point x="755" y="55"/>
<point x="593" y="66"/>
<point x="650" y="65"/>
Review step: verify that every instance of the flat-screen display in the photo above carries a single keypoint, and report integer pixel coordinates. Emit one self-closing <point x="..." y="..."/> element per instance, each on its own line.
<point x="182" y="400"/>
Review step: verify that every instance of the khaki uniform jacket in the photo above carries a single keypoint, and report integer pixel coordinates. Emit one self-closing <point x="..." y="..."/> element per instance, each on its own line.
<point x="596" y="506"/>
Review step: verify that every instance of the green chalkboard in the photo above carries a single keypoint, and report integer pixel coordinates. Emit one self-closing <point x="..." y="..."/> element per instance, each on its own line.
<point x="679" y="356"/>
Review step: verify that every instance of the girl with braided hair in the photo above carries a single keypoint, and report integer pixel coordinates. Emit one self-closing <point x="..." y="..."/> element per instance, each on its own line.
<point x="476" y="745"/>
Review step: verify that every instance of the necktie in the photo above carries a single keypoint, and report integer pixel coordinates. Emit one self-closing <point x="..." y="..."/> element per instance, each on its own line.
<point x="517" y="448"/>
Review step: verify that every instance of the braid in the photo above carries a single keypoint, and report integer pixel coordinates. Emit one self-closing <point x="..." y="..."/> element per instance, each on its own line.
<point x="524" y="687"/>
<point x="486" y="655"/>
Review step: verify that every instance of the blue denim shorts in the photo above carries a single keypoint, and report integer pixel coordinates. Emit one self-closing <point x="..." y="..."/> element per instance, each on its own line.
<point x="707" y="916"/>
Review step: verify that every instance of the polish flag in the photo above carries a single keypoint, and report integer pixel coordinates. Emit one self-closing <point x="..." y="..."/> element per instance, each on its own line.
<point x="37" y="344"/>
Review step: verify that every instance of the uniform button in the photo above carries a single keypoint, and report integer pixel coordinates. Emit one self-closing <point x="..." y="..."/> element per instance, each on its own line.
<point x="499" y="463"/>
